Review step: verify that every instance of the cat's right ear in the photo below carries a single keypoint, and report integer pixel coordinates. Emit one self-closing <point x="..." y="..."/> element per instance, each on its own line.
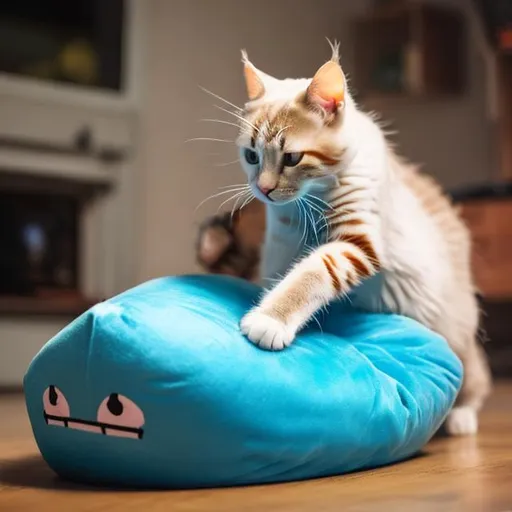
<point x="255" y="80"/>
<point x="327" y="89"/>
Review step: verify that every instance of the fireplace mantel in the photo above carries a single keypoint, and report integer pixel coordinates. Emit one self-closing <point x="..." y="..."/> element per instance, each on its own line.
<point x="79" y="168"/>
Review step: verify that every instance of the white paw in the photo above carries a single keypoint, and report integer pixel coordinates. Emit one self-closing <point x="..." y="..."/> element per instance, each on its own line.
<point x="462" y="421"/>
<point x="265" y="331"/>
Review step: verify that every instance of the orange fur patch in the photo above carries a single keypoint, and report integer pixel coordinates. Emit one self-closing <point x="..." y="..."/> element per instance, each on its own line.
<point x="321" y="156"/>
<point x="352" y="222"/>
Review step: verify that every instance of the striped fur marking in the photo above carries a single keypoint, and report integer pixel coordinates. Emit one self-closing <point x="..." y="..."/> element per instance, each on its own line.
<point x="361" y="242"/>
<point x="353" y="222"/>
<point x="330" y="265"/>
<point x="335" y="221"/>
<point x="345" y="193"/>
<point x="361" y="269"/>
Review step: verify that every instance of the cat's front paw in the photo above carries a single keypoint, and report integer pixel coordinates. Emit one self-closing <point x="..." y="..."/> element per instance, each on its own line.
<point x="265" y="331"/>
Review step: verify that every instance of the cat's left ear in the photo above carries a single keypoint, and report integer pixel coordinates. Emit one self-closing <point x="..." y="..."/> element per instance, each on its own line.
<point x="327" y="89"/>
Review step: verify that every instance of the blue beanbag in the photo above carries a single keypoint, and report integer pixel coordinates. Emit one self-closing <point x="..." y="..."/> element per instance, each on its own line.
<point x="158" y="388"/>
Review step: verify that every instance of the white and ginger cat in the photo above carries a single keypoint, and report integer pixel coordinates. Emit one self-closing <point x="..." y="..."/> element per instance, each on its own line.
<point x="394" y="242"/>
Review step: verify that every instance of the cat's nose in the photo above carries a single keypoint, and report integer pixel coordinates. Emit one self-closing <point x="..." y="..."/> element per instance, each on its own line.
<point x="266" y="190"/>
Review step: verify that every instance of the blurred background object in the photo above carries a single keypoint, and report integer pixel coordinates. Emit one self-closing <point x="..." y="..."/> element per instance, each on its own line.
<point x="75" y="42"/>
<point x="98" y="189"/>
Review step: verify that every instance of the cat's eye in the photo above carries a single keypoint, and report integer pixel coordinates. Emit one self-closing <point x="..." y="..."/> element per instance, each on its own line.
<point x="251" y="157"/>
<point x="292" y="159"/>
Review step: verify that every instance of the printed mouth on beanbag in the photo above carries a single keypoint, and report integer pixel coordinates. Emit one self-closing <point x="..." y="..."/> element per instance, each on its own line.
<point x="117" y="415"/>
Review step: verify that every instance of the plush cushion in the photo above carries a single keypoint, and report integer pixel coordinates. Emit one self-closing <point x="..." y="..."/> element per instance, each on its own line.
<point x="158" y="388"/>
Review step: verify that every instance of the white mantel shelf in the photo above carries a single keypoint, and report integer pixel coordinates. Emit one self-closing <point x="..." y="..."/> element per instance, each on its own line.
<point x="81" y="168"/>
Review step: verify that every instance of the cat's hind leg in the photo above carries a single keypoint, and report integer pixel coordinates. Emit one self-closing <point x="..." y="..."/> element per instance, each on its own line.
<point x="476" y="386"/>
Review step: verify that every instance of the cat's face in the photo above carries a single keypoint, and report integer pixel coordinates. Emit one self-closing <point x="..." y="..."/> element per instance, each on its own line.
<point x="289" y="138"/>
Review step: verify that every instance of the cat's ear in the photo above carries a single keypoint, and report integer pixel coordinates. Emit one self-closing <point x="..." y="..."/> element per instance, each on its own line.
<point x="327" y="89"/>
<point x="256" y="81"/>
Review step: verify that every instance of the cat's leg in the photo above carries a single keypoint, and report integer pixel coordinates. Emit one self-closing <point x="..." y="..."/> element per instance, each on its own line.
<point x="476" y="386"/>
<point x="327" y="273"/>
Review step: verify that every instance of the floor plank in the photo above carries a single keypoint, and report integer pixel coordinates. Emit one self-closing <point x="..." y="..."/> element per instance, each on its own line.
<point x="465" y="474"/>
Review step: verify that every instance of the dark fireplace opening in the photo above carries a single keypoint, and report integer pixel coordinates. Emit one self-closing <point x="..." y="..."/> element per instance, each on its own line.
<point x="39" y="244"/>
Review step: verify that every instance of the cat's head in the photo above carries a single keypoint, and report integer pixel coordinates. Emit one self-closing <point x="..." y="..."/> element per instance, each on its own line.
<point x="290" y="132"/>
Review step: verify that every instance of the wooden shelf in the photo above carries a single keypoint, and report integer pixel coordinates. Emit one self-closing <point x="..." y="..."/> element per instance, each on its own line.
<point x="491" y="230"/>
<point x="409" y="50"/>
<point x="45" y="306"/>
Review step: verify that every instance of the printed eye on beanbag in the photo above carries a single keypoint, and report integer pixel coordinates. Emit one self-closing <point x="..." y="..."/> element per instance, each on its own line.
<point x="158" y="388"/>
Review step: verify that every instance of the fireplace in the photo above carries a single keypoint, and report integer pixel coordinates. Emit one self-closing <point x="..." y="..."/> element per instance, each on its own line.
<point x="41" y="236"/>
<point x="67" y="237"/>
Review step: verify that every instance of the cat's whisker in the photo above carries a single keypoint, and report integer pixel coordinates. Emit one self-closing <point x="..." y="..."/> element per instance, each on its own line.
<point x="235" y="205"/>
<point x="304" y="237"/>
<point x="220" y="98"/>
<point x="311" y="220"/>
<point x="238" y="185"/>
<point x="209" y="139"/>
<point x="234" y="196"/>
<point x="299" y="224"/>
<point x="246" y="201"/>
<point x="306" y="222"/>
<point x="227" y="164"/>
<point x="218" y="195"/>
<point x="322" y="217"/>
<point x="313" y="206"/>
<point x="246" y="193"/>
<point x="238" y="116"/>
<point x="325" y="203"/>
<point x="220" y="121"/>
<point x="281" y="131"/>
<point x="325" y="226"/>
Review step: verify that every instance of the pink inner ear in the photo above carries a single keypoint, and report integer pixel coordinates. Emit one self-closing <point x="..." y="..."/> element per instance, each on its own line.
<point x="330" y="105"/>
<point x="327" y="89"/>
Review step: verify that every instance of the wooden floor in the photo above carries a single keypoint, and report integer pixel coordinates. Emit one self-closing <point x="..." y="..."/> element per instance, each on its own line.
<point x="465" y="474"/>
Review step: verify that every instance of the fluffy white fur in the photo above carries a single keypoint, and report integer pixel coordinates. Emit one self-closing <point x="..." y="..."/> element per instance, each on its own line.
<point x="421" y="246"/>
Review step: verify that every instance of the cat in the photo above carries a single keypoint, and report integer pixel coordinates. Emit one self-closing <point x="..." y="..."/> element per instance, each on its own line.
<point x="390" y="238"/>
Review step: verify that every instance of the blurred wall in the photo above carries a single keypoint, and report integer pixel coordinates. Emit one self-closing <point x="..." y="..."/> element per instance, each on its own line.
<point x="452" y="139"/>
<point x="192" y="43"/>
